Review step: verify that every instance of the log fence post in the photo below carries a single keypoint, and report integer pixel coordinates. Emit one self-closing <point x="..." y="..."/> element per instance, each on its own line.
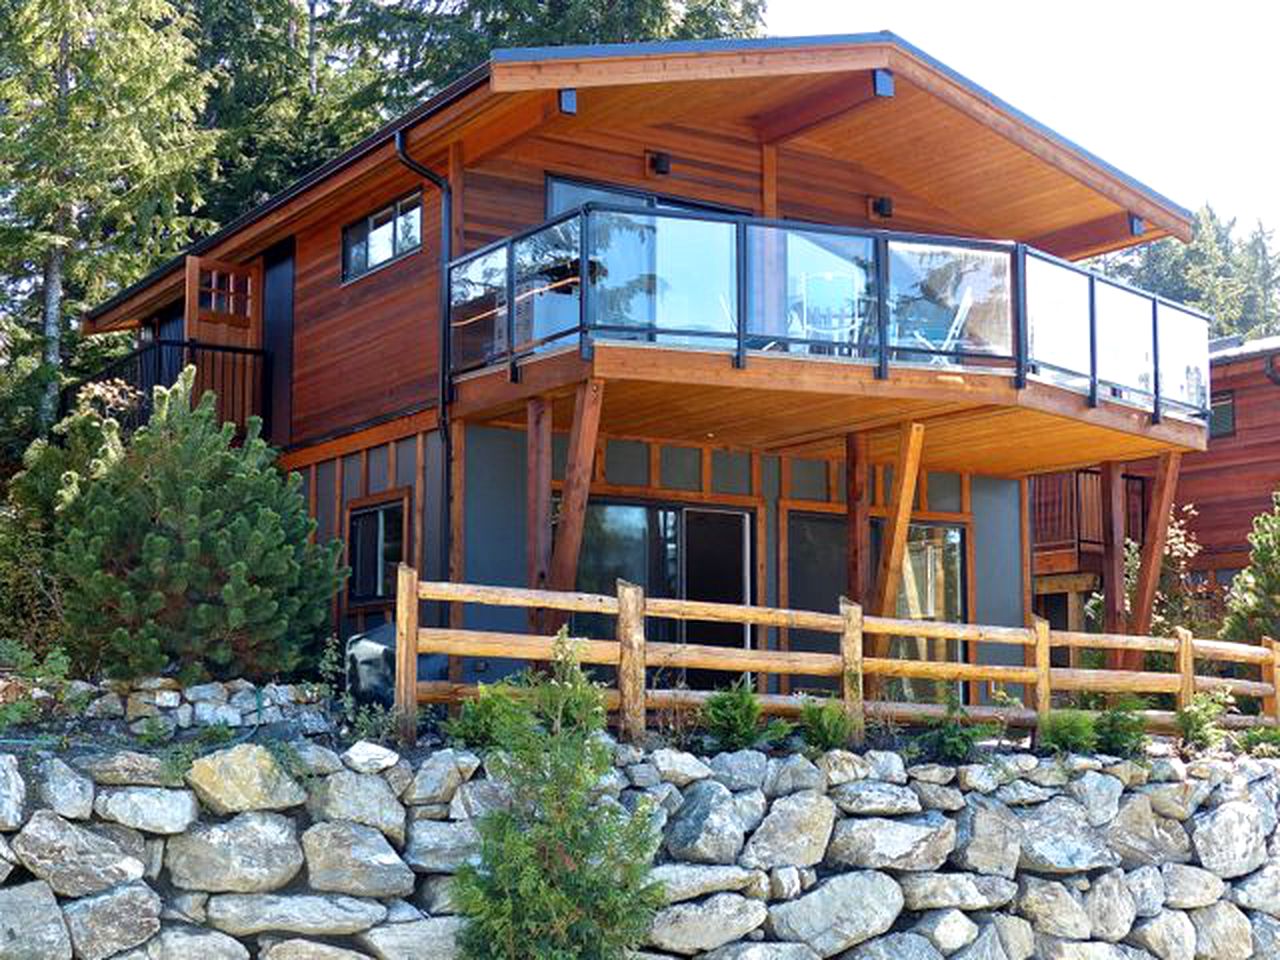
<point x="851" y="679"/>
<point x="1044" y="666"/>
<point x="1186" y="663"/>
<point x="1271" y="675"/>
<point x="631" y="661"/>
<point x="407" y="653"/>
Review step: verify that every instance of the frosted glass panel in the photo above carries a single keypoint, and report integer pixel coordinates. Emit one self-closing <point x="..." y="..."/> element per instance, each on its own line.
<point x="1184" y="357"/>
<point x="1058" y="321"/>
<point x="1124" y="341"/>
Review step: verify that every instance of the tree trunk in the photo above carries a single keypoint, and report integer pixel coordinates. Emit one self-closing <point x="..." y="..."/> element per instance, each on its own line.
<point x="51" y="294"/>
<point x="313" y="80"/>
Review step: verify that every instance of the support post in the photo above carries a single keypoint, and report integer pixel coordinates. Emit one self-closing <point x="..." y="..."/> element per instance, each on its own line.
<point x="538" y="500"/>
<point x="1044" y="688"/>
<point x="407" y="653"/>
<point x="577" y="484"/>
<point x="894" y="545"/>
<point x="1153" y="544"/>
<point x="851" y="685"/>
<point x="857" y="505"/>
<point x="1272" y="677"/>
<point x="631" y="661"/>
<point x="1186" y="658"/>
<point x="1113" y="586"/>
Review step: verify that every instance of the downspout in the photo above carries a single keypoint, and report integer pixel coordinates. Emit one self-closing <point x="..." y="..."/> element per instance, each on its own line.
<point x="442" y="407"/>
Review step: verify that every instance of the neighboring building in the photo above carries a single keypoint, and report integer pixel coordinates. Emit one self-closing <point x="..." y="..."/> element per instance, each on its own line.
<point x="753" y="321"/>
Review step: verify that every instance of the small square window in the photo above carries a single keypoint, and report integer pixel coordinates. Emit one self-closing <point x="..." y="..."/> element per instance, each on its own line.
<point x="375" y="547"/>
<point x="382" y="236"/>
<point x="1222" y="415"/>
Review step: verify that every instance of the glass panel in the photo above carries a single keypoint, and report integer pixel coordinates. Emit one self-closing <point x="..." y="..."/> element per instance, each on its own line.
<point x="1124" y="342"/>
<point x="355" y="250"/>
<point x="409" y="224"/>
<point x="478" y="310"/>
<point x="948" y="300"/>
<point x="1058" y="322"/>
<point x="547" y="283"/>
<point x="392" y="546"/>
<point x="653" y="273"/>
<point x="364" y="555"/>
<point x="932" y="588"/>
<point x="564" y="195"/>
<point x="1222" y="415"/>
<point x="639" y="544"/>
<point x="1184" y="357"/>
<point x="382" y="236"/>
<point x="810" y="292"/>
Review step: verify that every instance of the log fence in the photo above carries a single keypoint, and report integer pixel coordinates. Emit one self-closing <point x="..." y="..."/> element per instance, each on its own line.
<point x="632" y="656"/>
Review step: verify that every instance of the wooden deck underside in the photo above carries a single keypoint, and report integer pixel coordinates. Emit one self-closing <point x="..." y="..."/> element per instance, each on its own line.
<point x="973" y="421"/>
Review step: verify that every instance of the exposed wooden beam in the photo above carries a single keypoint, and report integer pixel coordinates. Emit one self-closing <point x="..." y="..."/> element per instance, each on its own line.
<point x="1113" y="587"/>
<point x="577" y="483"/>
<point x="538" y="499"/>
<point x="769" y="180"/>
<point x="829" y="102"/>
<point x="1157" y="532"/>
<point x="458" y="186"/>
<point x="857" y="508"/>
<point x="894" y="543"/>
<point x="1094" y="236"/>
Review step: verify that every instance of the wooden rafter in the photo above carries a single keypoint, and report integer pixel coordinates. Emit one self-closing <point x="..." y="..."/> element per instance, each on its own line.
<point x="834" y="100"/>
<point x="1157" y="532"/>
<point x="588" y="400"/>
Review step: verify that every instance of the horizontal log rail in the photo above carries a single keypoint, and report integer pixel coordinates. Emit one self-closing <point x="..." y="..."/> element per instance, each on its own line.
<point x="632" y="657"/>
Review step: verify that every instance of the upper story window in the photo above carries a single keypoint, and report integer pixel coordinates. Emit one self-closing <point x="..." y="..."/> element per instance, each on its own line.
<point x="377" y="537"/>
<point x="381" y="237"/>
<point x="1222" y="414"/>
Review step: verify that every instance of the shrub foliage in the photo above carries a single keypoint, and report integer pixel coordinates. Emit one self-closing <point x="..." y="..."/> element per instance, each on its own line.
<point x="734" y="719"/>
<point x="1253" y="603"/>
<point x="1068" y="731"/>
<point x="561" y="874"/>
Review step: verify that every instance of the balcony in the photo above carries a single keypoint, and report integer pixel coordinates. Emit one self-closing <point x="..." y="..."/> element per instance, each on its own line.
<point x="1066" y="520"/>
<point x="748" y="286"/>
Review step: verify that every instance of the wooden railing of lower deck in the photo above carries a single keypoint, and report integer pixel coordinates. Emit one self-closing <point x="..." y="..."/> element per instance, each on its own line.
<point x="857" y="672"/>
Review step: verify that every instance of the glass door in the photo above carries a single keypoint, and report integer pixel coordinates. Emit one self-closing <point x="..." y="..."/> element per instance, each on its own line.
<point x="716" y="567"/>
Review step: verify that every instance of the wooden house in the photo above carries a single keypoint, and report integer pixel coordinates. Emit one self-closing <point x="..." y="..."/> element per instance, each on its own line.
<point x="758" y="321"/>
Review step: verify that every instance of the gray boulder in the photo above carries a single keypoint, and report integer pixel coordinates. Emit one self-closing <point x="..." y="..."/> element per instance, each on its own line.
<point x="1053" y="910"/>
<point x="740" y="770"/>
<point x="706" y="828"/>
<point x="1222" y="932"/>
<point x="1229" y="840"/>
<point x="254" y="852"/>
<point x="247" y="914"/>
<point x="181" y="942"/>
<point x="149" y="809"/>
<point x="295" y="949"/>
<point x="361" y="798"/>
<point x="761" y="951"/>
<point x="915" y="843"/>
<point x="13" y="793"/>
<point x="678" y="767"/>
<point x="1187" y="887"/>
<point x="241" y="778"/>
<point x="1141" y="838"/>
<point x="31" y="925"/>
<point x="693" y="927"/>
<point x="1146" y="886"/>
<point x="441" y="846"/>
<point x="875" y="798"/>
<point x="1266" y="935"/>
<point x="1259" y="890"/>
<point x="124" y="768"/>
<point x="108" y="923"/>
<point x="965" y="891"/>
<point x="65" y="791"/>
<point x="684" y="881"/>
<point x="895" y="946"/>
<point x="1058" y="838"/>
<point x="988" y="837"/>
<point x="435" y="937"/>
<point x="1099" y="794"/>
<point x="794" y="833"/>
<point x="791" y="774"/>
<point x="948" y="930"/>
<point x="344" y="857"/>
<point x="839" y="913"/>
<point x="1169" y="935"/>
<point x="1177" y="799"/>
<point x="1110" y="906"/>
<point x="74" y="861"/>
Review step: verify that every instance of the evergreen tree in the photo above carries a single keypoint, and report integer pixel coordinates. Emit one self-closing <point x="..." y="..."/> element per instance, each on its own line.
<point x="98" y="144"/>
<point x="186" y="547"/>
<point x="1253" y="603"/>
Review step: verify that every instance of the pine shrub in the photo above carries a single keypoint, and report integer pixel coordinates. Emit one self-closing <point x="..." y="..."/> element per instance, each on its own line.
<point x="733" y="718"/>
<point x="1253" y="602"/>
<point x="183" y="547"/>
<point x="953" y="738"/>
<point x="562" y="874"/>
<point x="1067" y="731"/>
<point x="1200" y="722"/>
<point x="1121" y="729"/>
<point x="825" y="724"/>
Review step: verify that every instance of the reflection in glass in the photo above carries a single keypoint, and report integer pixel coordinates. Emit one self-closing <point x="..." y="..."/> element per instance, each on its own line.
<point x="547" y="283"/>
<point x="932" y="588"/>
<point x="478" y="310"/>
<point x="1124" y="342"/>
<point x="1184" y="358"/>
<point x="949" y="300"/>
<point x="810" y="292"/>
<point x="1058" y="322"/>
<point x="632" y="542"/>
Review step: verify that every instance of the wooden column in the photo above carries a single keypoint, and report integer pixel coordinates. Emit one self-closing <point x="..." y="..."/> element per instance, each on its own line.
<point x="577" y="484"/>
<point x="857" y="507"/>
<point x="851" y="679"/>
<point x="769" y="180"/>
<point x="1157" y="533"/>
<point x="538" y="499"/>
<point x="407" y="653"/>
<point x="894" y="544"/>
<point x="1113" y="588"/>
<point x="631" y="665"/>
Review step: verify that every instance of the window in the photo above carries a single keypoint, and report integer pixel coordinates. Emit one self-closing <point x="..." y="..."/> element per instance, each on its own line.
<point x="383" y="236"/>
<point x="377" y="541"/>
<point x="1222" y="415"/>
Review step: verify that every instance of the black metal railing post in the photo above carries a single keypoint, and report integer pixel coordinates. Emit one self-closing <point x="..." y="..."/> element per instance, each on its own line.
<point x="740" y="272"/>
<point x="1093" y="340"/>
<point x="882" y="307"/>
<point x="585" y="348"/>
<point x="1020" y="320"/>
<point x="1155" y="360"/>
<point x="513" y="366"/>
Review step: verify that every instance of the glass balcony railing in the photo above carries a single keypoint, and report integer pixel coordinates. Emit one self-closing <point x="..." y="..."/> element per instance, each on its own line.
<point x="745" y="285"/>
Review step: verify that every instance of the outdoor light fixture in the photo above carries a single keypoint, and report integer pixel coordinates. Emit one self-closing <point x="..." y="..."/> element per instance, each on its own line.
<point x="660" y="163"/>
<point x="882" y="207"/>
<point x="1136" y="227"/>
<point x="569" y="101"/>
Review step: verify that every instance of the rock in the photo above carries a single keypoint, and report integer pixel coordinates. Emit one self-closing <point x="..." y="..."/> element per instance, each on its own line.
<point x="643" y="775"/>
<point x="761" y="951"/>
<point x="1188" y="887"/>
<point x="875" y="797"/>
<point x="986" y="947"/>
<point x="1052" y="909"/>
<point x="399" y="776"/>
<point x="1178" y="800"/>
<point x="441" y="847"/>
<point x="31" y="925"/>
<point x="1259" y="890"/>
<point x="740" y="770"/>
<point x="124" y="768"/>
<point x="1170" y="935"/>
<point x="307" y="950"/>
<point x="750" y="806"/>
<point x="1020" y="793"/>
<point x="435" y="895"/>
<point x="253" y="853"/>
<point x="186" y="907"/>
<point x="706" y="828"/>
<point x="791" y="774"/>
<point x="887" y="766"/>
<point x="935" y="773"/>
<point x="8" y="859"/>
<point x="1017" y="939"/>
<point x="67" y="793"/>
<point x="367" y="757"/>
<point x="988" y="838"/>
<point x="1049" y="773"/>
<point x="1146" y="886"/>
<point x="842" y="766"/>
<point x="1110" y="906"/>
<point x="948" y="930"/>
<point x="684" y="881"/>
<point x="689" y="928"/>
<point x="896" y="946"/>
<point x="351" y="858"/>
<point x="1266" y="935"/>
<point x="440" y="775"/>
<point x="246" y="914"/>
<point x="1229" y="840"/>
<point x="678" y="767"/>
<point x="1222" y="932"/>
<point x="435" y="937"/>
<point x="361" y="798"/>
<point x="917" y="843"/>
<point x="475" y="798"/>
<point x="1167" y="770"/>
<point x="784" y="883"/>
<point x="1057" y="838"/>
<point x="193" y="943"/>
<point x="794" y="833"/>
<point x="74" y="861"/>
<point x="218" y="714"/>
<point x="149" y="809"/>
<point x="107" y="707"/>
<point x="107" y="923"/>
<point x="1051" y="948"/>
<point x="13" y="793"/>
<point x="964" y="891"/>
<point x="935" y="797"/>
<point x="1141" y="838"/>
<point x="1128" y="772"/>
<point x="1099" y="794"/>
<point x="839" y="913"/>
<point x="241" y="778"/>
<point x="315" y="760"/>
<point x="978" y="778"/>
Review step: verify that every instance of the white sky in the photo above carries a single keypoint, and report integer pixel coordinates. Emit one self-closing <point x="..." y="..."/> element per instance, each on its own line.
<point x="1182" y="96"/>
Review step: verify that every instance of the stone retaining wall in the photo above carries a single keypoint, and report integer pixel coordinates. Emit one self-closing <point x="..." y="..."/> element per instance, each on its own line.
<point x="764" y="858"/>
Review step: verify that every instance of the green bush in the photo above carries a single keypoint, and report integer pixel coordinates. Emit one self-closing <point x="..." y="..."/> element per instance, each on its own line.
<point x="953" y="739"/>
<point x="1253" y="602"/>
<point x="183" y="547"/>
<point x="1068" y="731"/>
<point x="1200" y="721"/>
<point x="561" y="875"/>
<point x="1121" y="730"/>
<point x="480" y="720"/>
<point x="825" y="724"/>
<point x="733" y="718"/>
<point x="1262" y="742"/>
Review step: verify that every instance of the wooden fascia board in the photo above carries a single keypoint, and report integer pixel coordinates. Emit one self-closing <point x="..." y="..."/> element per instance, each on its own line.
<point x="1039" y="144"/>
